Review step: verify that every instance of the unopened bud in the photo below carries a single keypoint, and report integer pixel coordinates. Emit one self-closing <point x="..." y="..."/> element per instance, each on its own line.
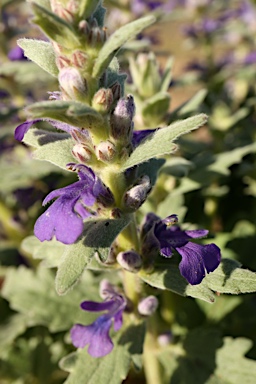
<point x="81" y="153"/>
<point x="148" y="222"/>
<point x="136" y="196"/>
<point x="106" y="289"/>
<point x="73" y="6"/>
<point x="130" y="261"/>
<point x="102" y="100"/>
<point x="121" y="119"/>
<point x="116" y="90"/>
<point x="105" y="151"/>
<point x="165" y="339"/>
<point x="62" y="12"/>
<point x="79" y="59"/>
<point x="62" y="62"/>
<point x="148" y="306"/>
<point x="72" y="83"/>
<point x="84" y="27"/>
<point x="97" y="36"/>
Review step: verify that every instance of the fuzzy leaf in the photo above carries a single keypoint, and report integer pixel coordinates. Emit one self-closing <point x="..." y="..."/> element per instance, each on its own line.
<point x="156" y="106"/>
<point x="167" y="75"/>
<point x="48" y="251"/>
<point x="116" y="40"/>
<point x="71" y="112"/>
<point x="12" y="328"/>
<point x="98" y="236"/>
<point x="57" y="152"/>
<point x="55" y="27"/>
<point x="229" y="278"/>
<point x="32" y="294"/>
<point x="232" y="366"/>
<point x="166" y="275"/>
<point x="161" y="142"/>
<point x="41" y="53"/>
<point x="112" y="368"/>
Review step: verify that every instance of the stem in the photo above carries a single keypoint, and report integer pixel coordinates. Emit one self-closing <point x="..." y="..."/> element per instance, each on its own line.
<point x="151" y="364"/>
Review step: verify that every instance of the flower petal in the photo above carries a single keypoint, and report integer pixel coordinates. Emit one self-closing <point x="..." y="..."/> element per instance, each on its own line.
<point x="93" y="306"/>
<point x="96" y="334"/>
<point x="197" y="260"/>
<point x="59" y="220"/>
<point x="22" y="129"/>
<point x="139" y="136"/>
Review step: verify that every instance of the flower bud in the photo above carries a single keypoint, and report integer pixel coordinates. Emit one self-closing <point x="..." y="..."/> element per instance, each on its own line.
<point x="165" y="339"/>
<point x="106" y="289"/>
<point x="121" y="119"/>
<point x="129" y="260"/>
<point x="102" y="100"/>
<point x="79" y="59"/>
<point x="171" y="220"/>
<point x="62" y="62"/>
<point x="136" y="196"/>
<point x="81" y="153"/>
<point x="62" y="12"/>
<point x="105" y="151"/>
<point x="148" y="306"/>
<point x="116" y="90"/>
<point x="72" y="84"/>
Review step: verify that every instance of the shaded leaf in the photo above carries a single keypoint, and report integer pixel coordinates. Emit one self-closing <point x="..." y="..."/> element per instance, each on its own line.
<point x="41" y="53"/>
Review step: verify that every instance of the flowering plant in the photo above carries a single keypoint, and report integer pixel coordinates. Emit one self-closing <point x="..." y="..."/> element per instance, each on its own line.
<point x="111" y="222"/>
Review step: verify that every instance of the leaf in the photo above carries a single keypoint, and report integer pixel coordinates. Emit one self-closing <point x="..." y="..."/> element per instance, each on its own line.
<point x="112" y="368"/>
<point x="116" y="40"/>
<point x="166" y="275"/>
<point x="167" y="75"/>
<point x="156" y="106"/>
<point x="13" y="327"/>
<point x="161" y="142"/>
<point x="55" y="27"/>
<point x="229" y="278"/>
<point x="41" y="53"/>
<point x="98" y="236"/>
<point x="48" y="251"/>
<point x="177" y="167"/>
<point x="232" y="366"/>
<point x="55" y="148"/>
<point x="32" y="294"/>
<point x="190" y="105"/>
<point x="193" y="361"/>
<point x="71" y="112"/>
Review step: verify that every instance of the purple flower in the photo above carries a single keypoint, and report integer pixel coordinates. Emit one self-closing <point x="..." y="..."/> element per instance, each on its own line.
<point x="64" y="218"/>
<point x="139" y="136"/>
<point x="16" y="54"/>
<point x="197" y="260"/>
<point x="22" y="129"/>
<point x="97" y="333"/>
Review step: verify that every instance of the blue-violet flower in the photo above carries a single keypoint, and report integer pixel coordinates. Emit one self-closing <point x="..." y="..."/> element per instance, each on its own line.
<point x="64" y="218"/>
<point x="97" y="333"/>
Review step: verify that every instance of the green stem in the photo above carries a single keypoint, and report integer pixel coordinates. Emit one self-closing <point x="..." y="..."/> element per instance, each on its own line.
<point x="151" y="363"/>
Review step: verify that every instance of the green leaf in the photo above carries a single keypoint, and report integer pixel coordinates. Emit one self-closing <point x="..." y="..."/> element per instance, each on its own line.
<point x="150" y="168"/>
<point x="33" y="295"/>
<point x="13" y="176"/>
<point x="55" y="27"/>
<point x="55" y="148"/>
<point x="156" y="107"/>
<point x="193" y="361"/>
<point x="72" y="264"/>
<point x="229" y="278"/>
<point x="25" y="73"/>
<point x="161" y="142"/>
<point x="10" y="330"/>
<point x="98" y="236"/>
<point x="232" y="366"/>
<point x="41" y="53"/>
<point x="112" y="368"/>
<point x="166" y="275"/>
<point x="116" y="40"/>
<point x="190" y="105"/>
<point x="71" y="112"/>
<point x="167" y="75"/>
<point x="177" y="167"/>
<point x="48" y="251"/>
<point x="87" y="8"/>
